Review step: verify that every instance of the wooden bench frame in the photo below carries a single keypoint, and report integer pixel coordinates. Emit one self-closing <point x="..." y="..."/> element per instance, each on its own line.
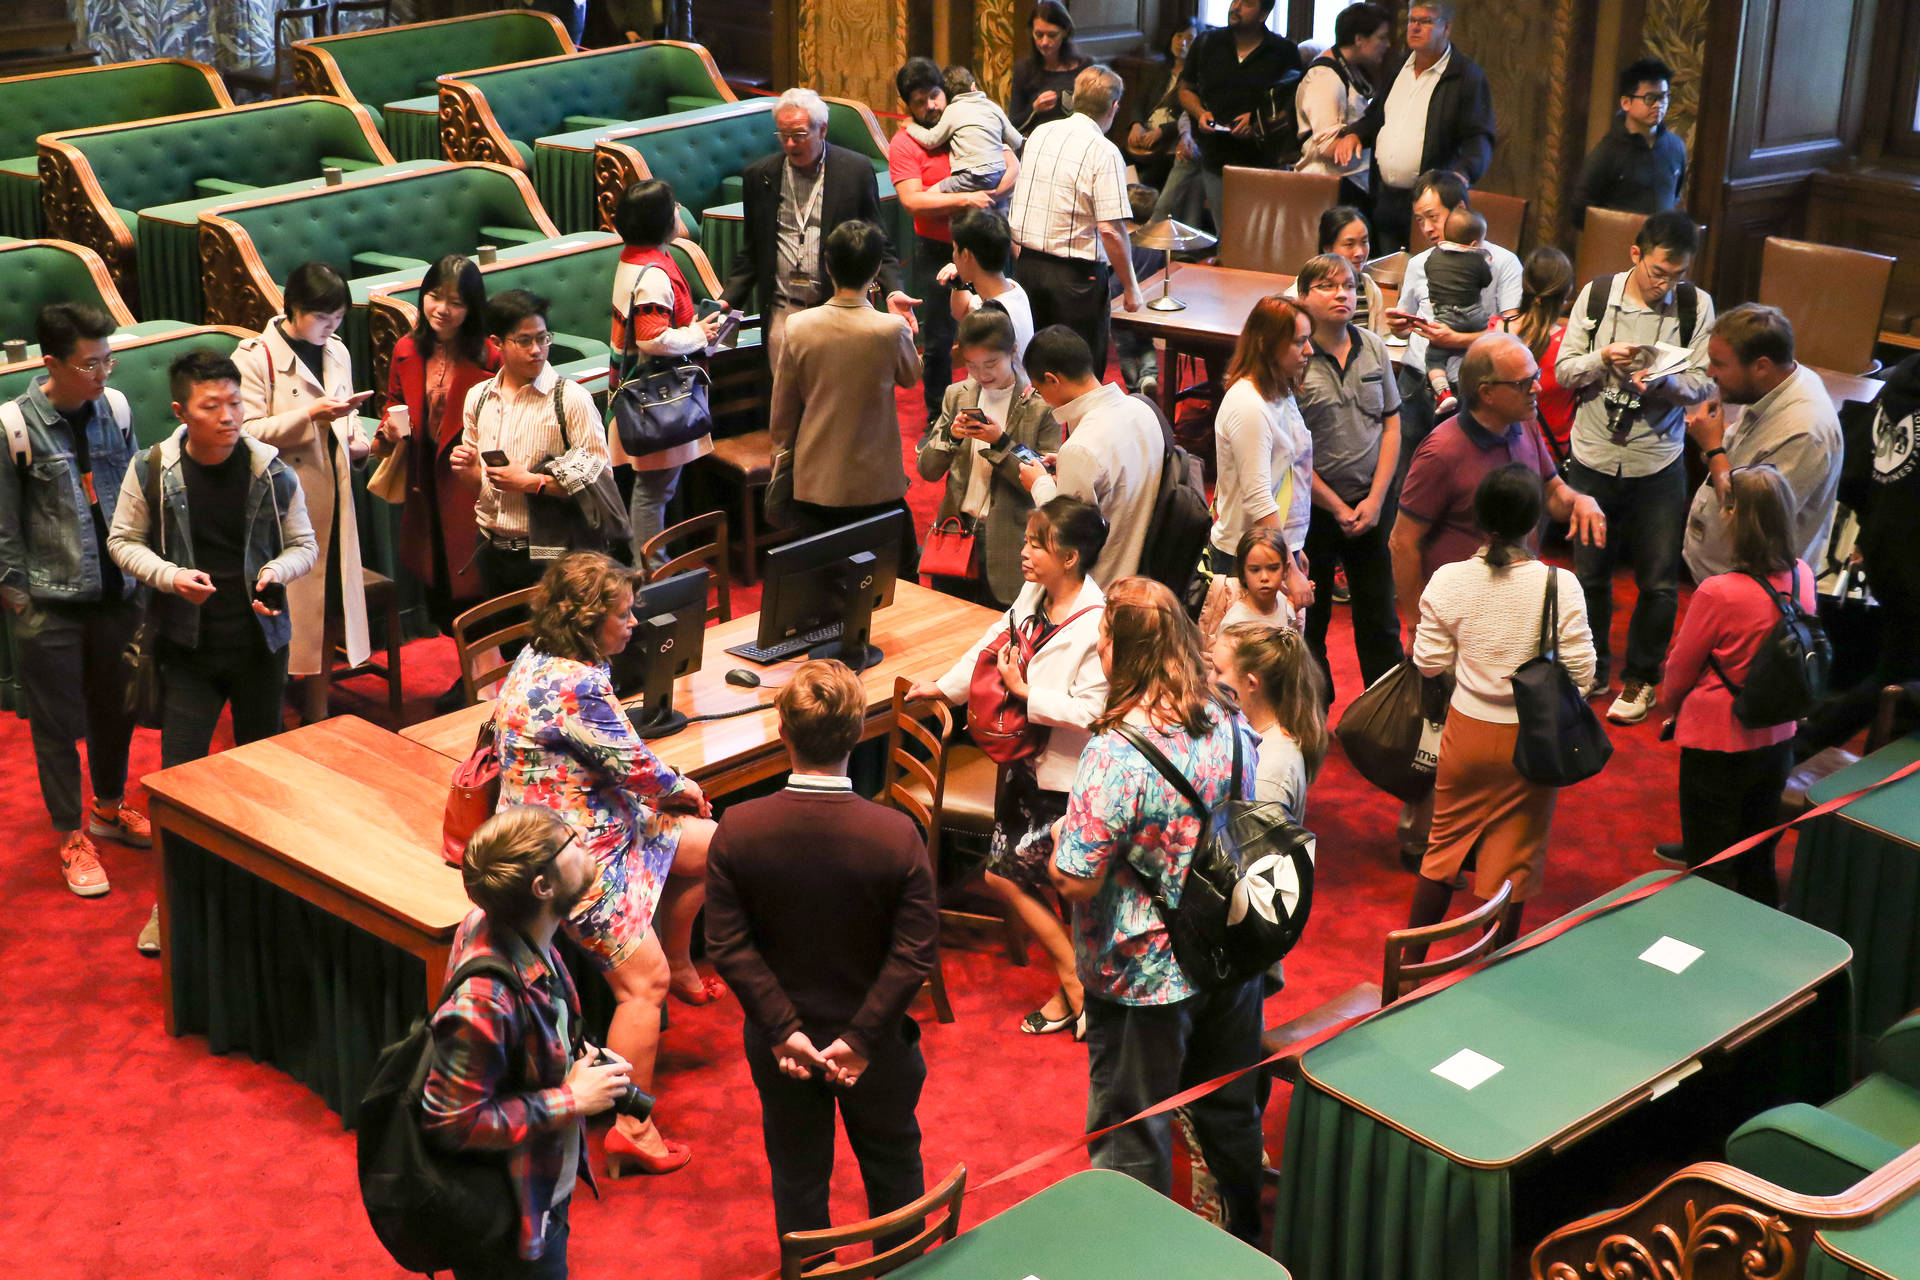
<point x="78" y="210"/>
<point x="316" y="71"/>
<point x="116" y="305"/>
<point x="468" y="130"/>
<point x="239" y="288"/>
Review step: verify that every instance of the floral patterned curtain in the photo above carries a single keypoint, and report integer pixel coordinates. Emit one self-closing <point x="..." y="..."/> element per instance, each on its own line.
<point x="228" y="34"/>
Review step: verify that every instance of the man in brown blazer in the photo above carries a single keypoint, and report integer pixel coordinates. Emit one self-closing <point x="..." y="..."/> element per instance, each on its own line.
<point x="833" y="401"/>
<point x="822" y="917"/>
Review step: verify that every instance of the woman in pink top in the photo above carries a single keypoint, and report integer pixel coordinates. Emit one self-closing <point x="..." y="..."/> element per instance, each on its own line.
<point x="1731" y="775"/>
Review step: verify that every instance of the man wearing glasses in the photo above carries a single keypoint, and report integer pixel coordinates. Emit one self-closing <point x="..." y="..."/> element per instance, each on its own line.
<point x="1635" y="357"/>
<point x="522" y="414"/>
<point x="71" y="609"/>
<point x="1639" y="166"/>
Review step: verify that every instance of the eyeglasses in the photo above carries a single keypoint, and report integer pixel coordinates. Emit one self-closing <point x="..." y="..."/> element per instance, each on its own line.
<point x="1422" y="22"/>
<point x="1518" y="384"/>
<point x="1652" y="99"/>
<point x="795" y="135"/>
<point x="106" y="364"/>
<point x="1660" y="277"/>
<point x="531" y="341"/>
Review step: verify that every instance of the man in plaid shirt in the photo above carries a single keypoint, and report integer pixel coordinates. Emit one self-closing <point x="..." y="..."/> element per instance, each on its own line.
<point x="505" y="1076"/>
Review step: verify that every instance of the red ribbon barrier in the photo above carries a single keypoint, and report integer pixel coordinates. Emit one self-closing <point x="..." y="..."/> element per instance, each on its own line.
<point x="1530" y="941"/>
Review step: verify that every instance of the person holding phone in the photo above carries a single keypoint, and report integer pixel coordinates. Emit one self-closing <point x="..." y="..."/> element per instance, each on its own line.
<point x="989" y="424"/>
<point x="297" y="386"/>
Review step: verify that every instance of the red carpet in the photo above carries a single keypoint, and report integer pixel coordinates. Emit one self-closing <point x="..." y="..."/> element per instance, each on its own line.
<point x="128" y="1153"/>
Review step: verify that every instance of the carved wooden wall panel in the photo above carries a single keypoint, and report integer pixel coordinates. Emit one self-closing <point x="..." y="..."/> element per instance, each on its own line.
<point x="851" y="48"/>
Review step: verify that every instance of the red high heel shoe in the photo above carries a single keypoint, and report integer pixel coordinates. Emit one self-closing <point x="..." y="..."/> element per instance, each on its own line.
<point x="624" y="1157"/>
<point x="709" y="990"/>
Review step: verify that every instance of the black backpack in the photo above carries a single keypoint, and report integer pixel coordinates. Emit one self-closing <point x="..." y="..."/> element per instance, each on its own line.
<point x="1233" y="921"/>
<point x="1686" y="300"/>
<point x="433" y="1209"/>
<point x="1788" y="675"/>
<point x="1182" y="521"/>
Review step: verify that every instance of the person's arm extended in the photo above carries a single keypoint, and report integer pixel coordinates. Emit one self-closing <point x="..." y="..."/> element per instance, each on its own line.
<point x="1084" y="696"/>
<point x="1578" y="510"/>
<point x="1434" y="647"/>
<point x="912" y="951"/>
<point x="920" y="202"/>
<point x="1009" y="131"/>
<point x="731" y="947"/>
<point x="1327" y="500"/>
<point x="466" y="1105"/>
<point x="1113" y="236"/>
<point x="931" y="139"/>
<point x="299" y="549"/>
<point x="1190" y="102"/>
<point x="1403" y="544"/>
<point x="934" y="455"/>
<point x="1095" y="830"/>
<point x="1693" y="384"/>
<point x="127" y="539"/>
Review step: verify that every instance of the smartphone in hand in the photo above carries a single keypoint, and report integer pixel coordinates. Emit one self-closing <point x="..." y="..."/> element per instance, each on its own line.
<point x="495" y="458"/>
<point x="273" y="595"/>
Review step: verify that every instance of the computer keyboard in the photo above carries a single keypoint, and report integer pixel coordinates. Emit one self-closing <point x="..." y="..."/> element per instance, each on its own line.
<point x="786" y="648"/>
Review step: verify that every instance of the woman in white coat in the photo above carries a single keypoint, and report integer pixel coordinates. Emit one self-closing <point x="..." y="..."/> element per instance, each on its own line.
<point x="1065" y="688"/>
<point x="297" y="391"/>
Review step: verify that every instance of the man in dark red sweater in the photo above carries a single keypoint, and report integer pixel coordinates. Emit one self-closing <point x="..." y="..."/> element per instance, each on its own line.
<point x="822" y="917"/>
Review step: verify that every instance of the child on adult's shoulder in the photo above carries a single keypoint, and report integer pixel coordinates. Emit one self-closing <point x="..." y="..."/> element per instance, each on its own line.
<point x="1254" y="591"/>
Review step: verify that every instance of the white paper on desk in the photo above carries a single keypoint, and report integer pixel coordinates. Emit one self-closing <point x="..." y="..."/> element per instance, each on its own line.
<point x="1668" y="360"/>
<point x="1468" y="1069"/>
<point x="1672" y="954"/>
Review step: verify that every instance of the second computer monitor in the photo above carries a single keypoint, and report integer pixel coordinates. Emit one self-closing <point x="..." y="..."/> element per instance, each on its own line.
<point x="670" y="619"/>
<point x="819" y="592"/>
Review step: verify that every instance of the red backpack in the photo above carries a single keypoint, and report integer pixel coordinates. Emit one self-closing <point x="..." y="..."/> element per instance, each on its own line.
<point x="997" y="719"/>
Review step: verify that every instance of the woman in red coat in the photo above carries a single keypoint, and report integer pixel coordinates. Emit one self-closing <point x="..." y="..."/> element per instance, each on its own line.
<point x="432" y="369"/>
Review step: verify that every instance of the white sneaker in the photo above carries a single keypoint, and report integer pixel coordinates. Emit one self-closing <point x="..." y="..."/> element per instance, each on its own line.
<point x="1633" y="704"/>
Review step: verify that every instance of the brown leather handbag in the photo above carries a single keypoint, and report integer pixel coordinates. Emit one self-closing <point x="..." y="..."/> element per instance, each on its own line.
<point x="472" y="799"/>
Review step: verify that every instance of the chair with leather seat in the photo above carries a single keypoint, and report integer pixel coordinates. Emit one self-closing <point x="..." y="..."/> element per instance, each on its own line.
<point x="938" y="1216"/>
<point x="1604" y="242"/>
<point x="1270" y="218"/>
<point x="915" y="778"/>
<point x="972" y="781"/>
<point x="1822" y="1151"/>
<point x="711" y="554"/>
<point x="480" y="631"/>
<point x="1832" y="296"/>
<point x="1823" y="764"/>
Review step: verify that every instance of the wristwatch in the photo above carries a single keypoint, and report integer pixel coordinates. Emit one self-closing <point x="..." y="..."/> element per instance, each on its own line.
<point x="1710" y="454"/>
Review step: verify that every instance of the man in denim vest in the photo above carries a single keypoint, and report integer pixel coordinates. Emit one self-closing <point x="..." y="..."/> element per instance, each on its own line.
<point x="71" y="609"/>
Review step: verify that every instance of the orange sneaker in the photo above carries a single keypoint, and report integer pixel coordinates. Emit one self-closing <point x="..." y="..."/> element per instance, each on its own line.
<point x="125" y="825"/>
<point x="81" y="863"/>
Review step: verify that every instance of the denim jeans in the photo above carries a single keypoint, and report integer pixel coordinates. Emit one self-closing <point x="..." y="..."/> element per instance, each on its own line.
<point x="550" y="1265"/>
<point x="1138" y="1055"/>
<point x="1376" y="619"/>
<point x="1183" y="198"/>
<point x="647" y="510"/>
<point x="199" y="682"/>
<point x="75" y="686"/>
<point x="1646" y="516"/>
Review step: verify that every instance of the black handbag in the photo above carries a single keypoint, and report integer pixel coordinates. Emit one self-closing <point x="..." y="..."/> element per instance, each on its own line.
<point x="146" y="699"/>
<point x="591" y="518"/>
<point x="1561" y="740"/>
<point x="657" y="403"/>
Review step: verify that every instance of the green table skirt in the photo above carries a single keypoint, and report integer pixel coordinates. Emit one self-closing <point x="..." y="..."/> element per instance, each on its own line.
<point x="722" y="238"/>
<point x="1361" y="1200"/>
<point x="563" y="179"/>
<point x="413" y="129"/>
<point x="1865" y="888"/>
<point x="20" y="212"/>
<point x="169" y="270"/>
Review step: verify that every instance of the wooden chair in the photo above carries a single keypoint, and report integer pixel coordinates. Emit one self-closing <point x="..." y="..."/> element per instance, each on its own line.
<point x="382" y="11"/>
<point x="316" y="18"/>
<point x="382" y="599"/>
<point x="940" y="1208"/>
<point x="1506" y="219"/>
<point x="972" y="781"/>
<point x="910" y="778"/>
<point x="744" y="463"/>
<point x="711" y="554"/>
<point x="477" y="633"/>
<point x="1270" y="218"/>
<point x="1823" y="764"/>
<point x="1833" y="296"/>
<point x="1398" y="976"/>
<point x="1604" y="242"/>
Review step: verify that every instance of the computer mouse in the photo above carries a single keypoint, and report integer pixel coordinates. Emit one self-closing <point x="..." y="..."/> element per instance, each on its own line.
<point x="744" y="678"/>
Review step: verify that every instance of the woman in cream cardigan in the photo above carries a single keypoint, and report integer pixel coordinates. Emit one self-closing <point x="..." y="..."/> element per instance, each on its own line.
<point x="297" y="390"/>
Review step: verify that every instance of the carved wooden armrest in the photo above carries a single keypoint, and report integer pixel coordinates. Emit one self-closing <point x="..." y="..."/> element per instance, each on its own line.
<point x="78" y="210"/>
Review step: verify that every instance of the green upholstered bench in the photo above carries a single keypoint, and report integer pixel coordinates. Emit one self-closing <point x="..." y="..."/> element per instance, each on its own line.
<point x="386" y="64"/>
<point x="95" y="177"/>
<point x="247" y="249"/>
<point x="34" y="273"/>
<point x="696" y="149"/>
<point x="55" y="101"/>
<point x="496" y="114"/>
<point x="1822" y="1151"/>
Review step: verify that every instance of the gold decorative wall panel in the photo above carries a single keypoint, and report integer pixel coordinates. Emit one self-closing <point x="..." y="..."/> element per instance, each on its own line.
<point x="851" y="48"/>
<point x="993" y="47"/>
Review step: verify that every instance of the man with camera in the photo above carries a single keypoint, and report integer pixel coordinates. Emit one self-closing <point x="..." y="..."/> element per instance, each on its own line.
<point x="507" y="1078"/>
<point x="1238" y="80"/>
<point x="1635" y="356"/>
<point x="822" y="917"/>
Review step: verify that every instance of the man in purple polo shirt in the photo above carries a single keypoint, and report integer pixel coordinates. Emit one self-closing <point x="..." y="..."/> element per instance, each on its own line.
<point x="916" y="173"/>
<point x="1499" y="381"/>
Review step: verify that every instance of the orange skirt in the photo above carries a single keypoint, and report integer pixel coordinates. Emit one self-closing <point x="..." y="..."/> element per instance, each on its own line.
<point x="1484" y="809"/>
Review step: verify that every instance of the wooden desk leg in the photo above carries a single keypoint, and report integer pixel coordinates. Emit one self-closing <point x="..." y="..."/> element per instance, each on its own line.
<point x="435" y="957"/>
<point x="160" y="846"/>
<point x="1170" y="379"/>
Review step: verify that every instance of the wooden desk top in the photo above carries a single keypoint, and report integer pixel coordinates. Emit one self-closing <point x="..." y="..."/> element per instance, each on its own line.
<point x="1218" y="300"/>
<point x="920" y="634"/>
<point x="1849" y="386"/>
<point x="346" y="801"/>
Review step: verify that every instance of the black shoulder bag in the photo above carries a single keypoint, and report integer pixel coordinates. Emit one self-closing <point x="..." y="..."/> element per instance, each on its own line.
<point x="1561" y="741"/>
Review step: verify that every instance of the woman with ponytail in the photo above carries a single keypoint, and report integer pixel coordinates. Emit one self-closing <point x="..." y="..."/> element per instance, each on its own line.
<point x="1546" y="290"/>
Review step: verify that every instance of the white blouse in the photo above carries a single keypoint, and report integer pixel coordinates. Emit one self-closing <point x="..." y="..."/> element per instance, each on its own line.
<point x="1482" y="623"/>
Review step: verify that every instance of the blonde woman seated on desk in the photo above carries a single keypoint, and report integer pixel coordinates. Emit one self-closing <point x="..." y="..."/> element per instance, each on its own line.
<point x="566" y="745"/>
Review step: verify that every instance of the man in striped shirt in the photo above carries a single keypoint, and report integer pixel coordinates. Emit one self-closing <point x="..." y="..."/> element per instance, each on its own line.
<point x="1069" y="215"/>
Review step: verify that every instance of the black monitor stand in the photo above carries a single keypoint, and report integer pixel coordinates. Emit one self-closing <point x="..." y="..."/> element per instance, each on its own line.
<point x="655" y="716"/>
<point x="857" y="573"/>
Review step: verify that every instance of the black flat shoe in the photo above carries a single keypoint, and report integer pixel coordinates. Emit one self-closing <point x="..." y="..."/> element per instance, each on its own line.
<point x="1038" y="1023"/>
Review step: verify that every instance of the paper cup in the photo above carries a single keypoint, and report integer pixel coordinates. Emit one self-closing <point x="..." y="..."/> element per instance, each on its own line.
<point x="399" y="420"/>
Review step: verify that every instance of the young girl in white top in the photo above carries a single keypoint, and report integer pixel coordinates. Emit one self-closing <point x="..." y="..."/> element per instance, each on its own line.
<point x="1278" y="685"/>
<point x="1254" y="591"/>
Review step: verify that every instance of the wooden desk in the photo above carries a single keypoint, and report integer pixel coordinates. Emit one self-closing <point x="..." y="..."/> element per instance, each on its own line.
<point x="1218" y="300"/>
<point x="280" y="861"/>
<point x="920" y="635"/>
<point x="1849" y="386"/>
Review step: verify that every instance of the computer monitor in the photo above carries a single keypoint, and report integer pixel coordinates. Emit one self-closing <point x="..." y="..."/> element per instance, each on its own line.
<point x="819" y="593"/>
<point x="670" y="621"/>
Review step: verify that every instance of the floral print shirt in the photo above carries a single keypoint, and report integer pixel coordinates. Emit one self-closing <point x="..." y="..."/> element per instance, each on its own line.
<point x="1125" y="822"/>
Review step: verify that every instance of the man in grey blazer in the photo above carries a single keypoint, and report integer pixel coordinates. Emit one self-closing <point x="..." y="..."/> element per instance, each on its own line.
<point x="982" y="421"/>
<point x="833" y="404"/>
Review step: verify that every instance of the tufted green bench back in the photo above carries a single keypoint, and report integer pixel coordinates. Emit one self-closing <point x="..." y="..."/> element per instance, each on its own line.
<point x="141" y="376"/>
<point x="141" y="165"/>
<point x="33" y="105"/>
<point x="625" y="83"/>
<point x="385" y="64"/>
<point x="696" y="157"/>
<point x="421" y="215"/>
<point x="579" y="285"/>
<point x="33" y="275"/>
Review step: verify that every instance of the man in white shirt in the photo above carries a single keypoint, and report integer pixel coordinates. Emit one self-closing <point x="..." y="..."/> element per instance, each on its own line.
<point x="982" y="252"/>
<point x="1436" y="114"/>
<point x="1069" y="215"/>
<point x="1113" y="452"/>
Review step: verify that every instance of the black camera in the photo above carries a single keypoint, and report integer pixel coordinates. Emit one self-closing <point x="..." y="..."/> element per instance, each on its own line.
<point x="631" y="1103"/>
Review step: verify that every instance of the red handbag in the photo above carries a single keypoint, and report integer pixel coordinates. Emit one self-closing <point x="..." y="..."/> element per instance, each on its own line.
<point x="952" y="551"/>
<point x="472" y="799"/>
<point x="996" y="719"/>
